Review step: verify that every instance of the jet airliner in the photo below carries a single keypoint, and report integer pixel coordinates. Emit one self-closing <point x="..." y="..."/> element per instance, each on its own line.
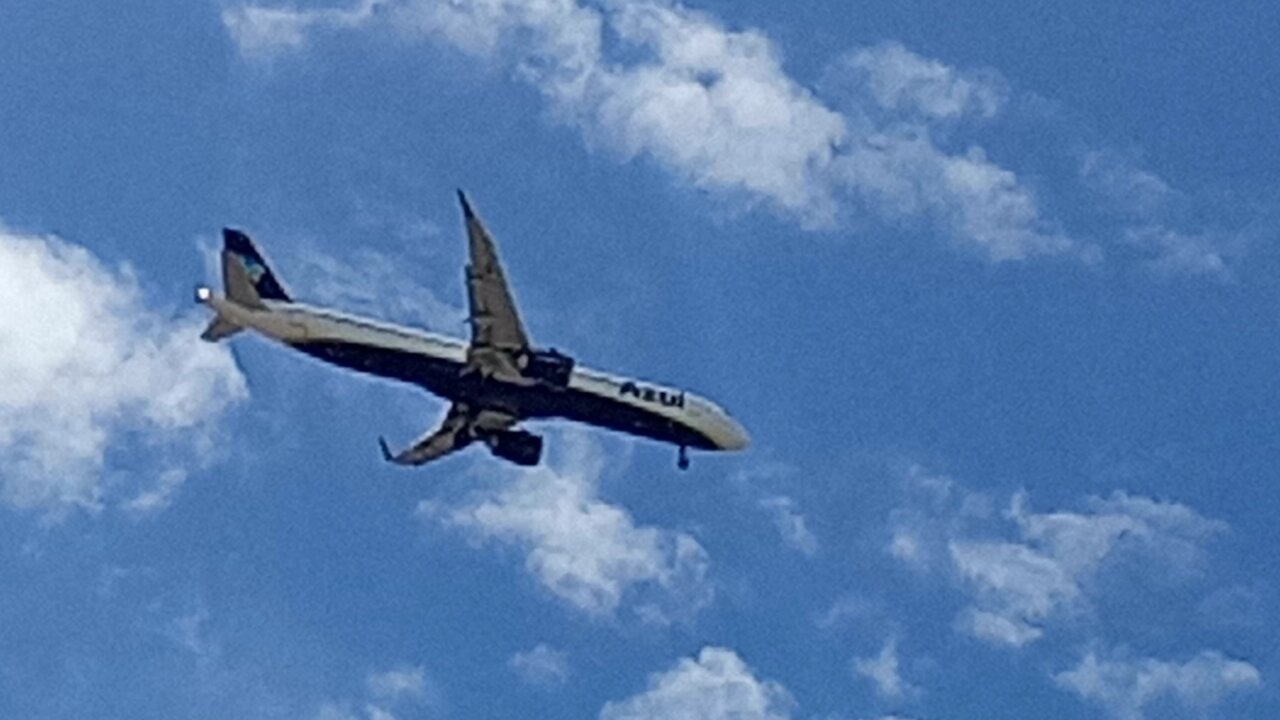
<point x="493" y="383"/>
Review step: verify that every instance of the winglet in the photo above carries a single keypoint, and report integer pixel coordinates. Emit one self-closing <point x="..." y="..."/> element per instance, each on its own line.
<point x="386" y="451"/>
<point x="466" y="206"/>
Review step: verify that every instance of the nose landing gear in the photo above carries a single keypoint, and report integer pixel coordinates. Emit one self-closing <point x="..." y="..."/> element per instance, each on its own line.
<point x="682" y="460"/>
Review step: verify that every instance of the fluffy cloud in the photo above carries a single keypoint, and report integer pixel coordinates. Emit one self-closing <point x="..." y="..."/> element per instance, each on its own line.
<point x="385" y="694"/>
<point x="542" y="666"/>
<point x="715" y="107"/>
<point x="1178" y="253"/>
<point x="1035" y="567"/>
<point x="399" y="683"/>
<point x="382" y="288"/>
<point x="902" y="173"/>
<point x="1016" y="588"/>
<point x="791" y="525"/>
<point x="1124" y="687"/>
<point x="882" y="670"/>
<point x="260" y="31"/>
<point x="1129" y="188"/>
<point x="900" y="80"/>
<point x="91" y="370"/>
<point x="717" y="685"/>
<point x="936" y="509"/>
<point x="1150" y="207"/>
<point x="586" y="552"/>
<point x="1017" y="585"/>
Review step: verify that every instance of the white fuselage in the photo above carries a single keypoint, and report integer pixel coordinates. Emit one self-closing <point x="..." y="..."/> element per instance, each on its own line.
<point x="435" y="362"/>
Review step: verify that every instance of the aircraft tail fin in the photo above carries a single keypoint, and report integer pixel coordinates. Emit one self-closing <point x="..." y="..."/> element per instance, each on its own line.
<point x="254" y="282"/>
<point x="246" y="280"/>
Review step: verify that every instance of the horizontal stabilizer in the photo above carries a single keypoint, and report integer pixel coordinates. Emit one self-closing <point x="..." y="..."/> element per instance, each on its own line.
<point x="218" y="329"/>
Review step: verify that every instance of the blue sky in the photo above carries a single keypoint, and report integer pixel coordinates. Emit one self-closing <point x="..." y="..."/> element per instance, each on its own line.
<point x="992" y="288"/>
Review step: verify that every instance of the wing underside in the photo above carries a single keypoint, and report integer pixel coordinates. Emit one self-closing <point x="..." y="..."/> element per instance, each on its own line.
<point x="498" y="336"/>
<point x="461" y="427"/>
<point x="498" y="351"/>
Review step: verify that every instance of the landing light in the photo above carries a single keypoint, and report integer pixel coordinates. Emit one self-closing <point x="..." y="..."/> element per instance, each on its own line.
<point x="203" y="294"/>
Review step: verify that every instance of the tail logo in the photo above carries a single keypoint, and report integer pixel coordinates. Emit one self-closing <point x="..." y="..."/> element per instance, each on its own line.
<point x="253" y="268"/>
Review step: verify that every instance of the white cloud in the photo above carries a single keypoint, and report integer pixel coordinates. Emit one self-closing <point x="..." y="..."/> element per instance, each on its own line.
<point x="554" y="44"/>
<point x="1046" y="566"/>
<point x="157" y="497"/>
<point x="385" y="693"/>
<point x="1048" y="570"/>
<point x="791" y="525"/>
<point x="541" y="666"/>
<point x="997" y="629"/>
<point x="585" y="551"/>
<point x="902" y="173"/>
<point x="1124" y="687"/>
<point x="191" y="632"/>
<point x="717" y="685"/>
<point x="399" y="683"/>
<point x="373" y="283"/>
<point x="91" y="368"/>
<point x="1015" y="585"/>
<point x="1178" y="253"/>
<point x="844" y="610"/>
<point x="936" y="509"/>
<point x="345" y="711"/>
<point x="1151" y="206"/>
<point x="336" y="711"/>
<point x="898" y="79"/>
<point x="1131" y="189"/>
<point x="259" y="31"/>
<point x="716" y="108"/>
<point x="883" y="671"/>
<point x="905" y="545"/>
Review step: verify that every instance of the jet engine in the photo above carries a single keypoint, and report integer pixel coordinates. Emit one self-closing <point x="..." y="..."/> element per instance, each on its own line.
<point x="549" y="366"/>
<point x="517" y="446"/>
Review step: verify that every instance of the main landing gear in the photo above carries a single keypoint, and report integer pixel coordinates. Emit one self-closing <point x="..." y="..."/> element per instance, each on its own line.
<point x="682" y="460"/>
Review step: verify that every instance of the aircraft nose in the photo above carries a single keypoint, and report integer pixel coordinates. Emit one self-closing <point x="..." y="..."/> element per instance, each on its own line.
<point x="734" y="436"/>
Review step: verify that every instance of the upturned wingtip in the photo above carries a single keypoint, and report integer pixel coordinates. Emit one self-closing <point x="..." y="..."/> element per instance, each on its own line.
<point x="466" y="206"/>
<point x="386" y="451"/>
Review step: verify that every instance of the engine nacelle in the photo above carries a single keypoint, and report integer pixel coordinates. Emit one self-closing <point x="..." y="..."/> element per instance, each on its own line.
<point x="517" y="446"/>
<point x="549" y="366"/>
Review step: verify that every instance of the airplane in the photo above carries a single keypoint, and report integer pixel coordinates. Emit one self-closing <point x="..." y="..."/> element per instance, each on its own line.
<point x="493" y="383"/>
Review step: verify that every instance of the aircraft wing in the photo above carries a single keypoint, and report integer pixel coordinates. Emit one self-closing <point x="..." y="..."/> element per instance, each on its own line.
<point x="461" y="427"/>
<point x="497" y="335"/>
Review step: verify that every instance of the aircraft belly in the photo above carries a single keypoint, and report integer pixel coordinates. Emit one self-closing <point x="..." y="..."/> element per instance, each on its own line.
<point x="438" y="375"/>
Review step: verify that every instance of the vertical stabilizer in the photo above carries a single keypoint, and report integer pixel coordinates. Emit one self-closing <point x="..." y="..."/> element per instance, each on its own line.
<point x="238" y="282"/>
<point x="263" y="281"/>
<point x="246" y="280"/>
